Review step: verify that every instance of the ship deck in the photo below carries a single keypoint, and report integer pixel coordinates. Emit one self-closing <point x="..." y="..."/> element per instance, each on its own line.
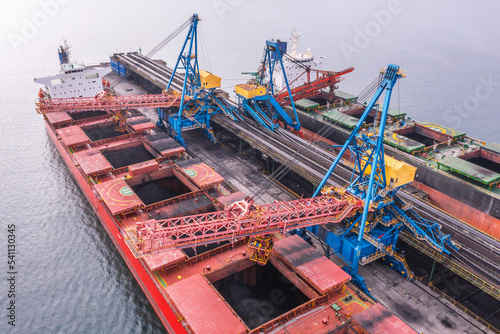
<point x="402" y="142"/>
<point x="328" y="297"/>
<point x="446" y="130"/>
<point x="192" y="288"/>
<point x="335" y="116"/>
<point x="434" y="145"/>
<point x="470" y="170"/>
<point x="189" y="278"/>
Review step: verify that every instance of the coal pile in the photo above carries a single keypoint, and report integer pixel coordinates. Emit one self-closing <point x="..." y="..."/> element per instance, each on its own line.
<point x="127" y="156"/>
<point x="271" y="296"/>
<point x="102" y="132"/>
<point x="87" y="114"/>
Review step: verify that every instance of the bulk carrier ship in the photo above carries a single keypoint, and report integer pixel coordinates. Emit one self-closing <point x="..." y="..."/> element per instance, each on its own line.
<point x="154" y="197"/>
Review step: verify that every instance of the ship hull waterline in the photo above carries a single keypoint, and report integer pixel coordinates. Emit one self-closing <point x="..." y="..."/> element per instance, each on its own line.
<point x="145" y="281"/>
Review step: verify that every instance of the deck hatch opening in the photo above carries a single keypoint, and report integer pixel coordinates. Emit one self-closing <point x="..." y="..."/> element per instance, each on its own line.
<point x="427" y="141"/>
<point x="424" y="135"/>
<point x="101" y="131"/>
<point x="160" y="189"/>
<point x="87" y="114"/>
<point x="484" y="162"/>
<point x="259" y="294"/>
<point x="131" y="155"/>
<point x="483" y="158"/>
<point x="369" y="119"/>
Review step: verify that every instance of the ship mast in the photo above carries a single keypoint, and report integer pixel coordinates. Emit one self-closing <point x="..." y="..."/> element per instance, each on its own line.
<point x="64" y="53"/>
<point x="296" y="38"/>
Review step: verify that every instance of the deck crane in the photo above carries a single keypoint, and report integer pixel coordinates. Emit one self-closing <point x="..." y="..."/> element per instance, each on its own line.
<point x="117" y="106"/>
<point x="197" y="102"/>
<point x="310" y="88"/>
<point x="239" y="220"/>
<point x="266" y="105"/>
<point x="258" y="99"/>
<point x="105" y="102"/>
<point x="374" y="214"/>
<point x="200" y="86"/>
<point x="376" y="178"/>
<point x="323" y="80"/>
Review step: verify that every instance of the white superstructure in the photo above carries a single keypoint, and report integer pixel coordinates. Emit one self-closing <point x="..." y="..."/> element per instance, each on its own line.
<point x="74" y="80"/>
<point x="293" y="70"/>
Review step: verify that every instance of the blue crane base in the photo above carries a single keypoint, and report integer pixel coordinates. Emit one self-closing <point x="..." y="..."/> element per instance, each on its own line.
<point x="161" y="116"/>
<point x="186" y="124"/>
<point x="206" y="105"/>
<point x="161" y="125"/>
<point x="267" y="116"/>
<point x="334" y="242"/>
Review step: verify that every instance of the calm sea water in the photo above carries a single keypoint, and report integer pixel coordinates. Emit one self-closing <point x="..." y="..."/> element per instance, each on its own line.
<point x="70" y="278"/>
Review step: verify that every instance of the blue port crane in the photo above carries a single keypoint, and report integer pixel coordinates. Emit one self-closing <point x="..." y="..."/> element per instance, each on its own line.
<point x="199" y="98"/>
<point x="373" y="232"/>
<point x="258" y="100"/>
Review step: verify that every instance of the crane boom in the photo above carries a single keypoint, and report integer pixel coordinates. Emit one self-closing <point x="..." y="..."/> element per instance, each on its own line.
<point x="240" y="219"/>
<point x="114" y="103"/>
<point x="311" y="88"/>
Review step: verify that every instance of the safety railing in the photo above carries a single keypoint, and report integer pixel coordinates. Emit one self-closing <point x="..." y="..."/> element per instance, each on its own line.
<point x="464" y="309"/>
<point x="448" y="263"/>
<point x="320" y="303"/>
<point x="402" y="259"/>
<point x="375" y="256"/>
<point x="114" y="139"/>
<point x="172" y="200"/>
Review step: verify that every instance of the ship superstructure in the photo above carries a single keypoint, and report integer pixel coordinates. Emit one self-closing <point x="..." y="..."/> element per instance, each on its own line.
<point x="74" y="79"/>
<point x="294" y="65"/>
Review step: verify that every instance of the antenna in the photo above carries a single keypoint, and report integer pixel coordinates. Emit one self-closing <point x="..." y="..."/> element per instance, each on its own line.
<point x="296" y="39"/>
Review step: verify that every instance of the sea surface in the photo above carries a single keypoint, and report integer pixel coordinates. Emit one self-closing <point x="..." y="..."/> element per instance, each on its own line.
<point x="70" y="278"/>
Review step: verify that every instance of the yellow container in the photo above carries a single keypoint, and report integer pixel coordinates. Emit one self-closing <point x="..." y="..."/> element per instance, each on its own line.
<point x="399" y="172"/>
<point x="208" y="80"/>
<point x="250" y="91"/>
